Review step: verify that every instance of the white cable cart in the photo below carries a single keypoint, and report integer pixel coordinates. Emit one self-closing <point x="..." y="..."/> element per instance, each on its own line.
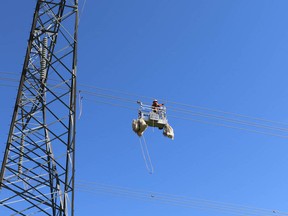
<point x="152" y="116"/>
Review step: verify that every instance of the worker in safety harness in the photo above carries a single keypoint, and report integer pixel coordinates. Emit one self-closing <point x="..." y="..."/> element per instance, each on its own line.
<point x="156" y="105"/>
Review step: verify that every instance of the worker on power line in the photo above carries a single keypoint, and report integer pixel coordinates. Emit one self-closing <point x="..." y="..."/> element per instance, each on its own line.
<point x="156" y="105"/>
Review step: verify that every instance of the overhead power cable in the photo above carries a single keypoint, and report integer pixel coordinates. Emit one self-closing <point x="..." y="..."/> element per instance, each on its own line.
<point x="194" y="113"/>
<point x="191" y="116"/>
<point x="10" y="73"/>
<point x="182" y="104"/>
<point x="232" y="127"/>
<point x="170" y="102"/>
<point x="96" y="188"/>
<point x="194" y="120"/>
<point x="167" y="101"/>
<point x="226" y="119"/>
<point x="113" y="97"/>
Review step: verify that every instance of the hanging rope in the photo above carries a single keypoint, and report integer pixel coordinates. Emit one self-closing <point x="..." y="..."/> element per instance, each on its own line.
<point x="80" y="104"/>
<point x="146" y="155"/>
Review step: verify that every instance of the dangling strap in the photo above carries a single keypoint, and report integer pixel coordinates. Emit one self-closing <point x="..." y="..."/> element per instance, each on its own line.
<point x="146" y="155"/>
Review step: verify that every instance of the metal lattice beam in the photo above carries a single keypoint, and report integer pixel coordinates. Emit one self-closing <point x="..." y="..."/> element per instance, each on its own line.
<point x="37" y="173"/>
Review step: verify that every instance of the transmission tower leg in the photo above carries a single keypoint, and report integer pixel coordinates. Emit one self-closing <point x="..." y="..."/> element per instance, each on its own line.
<point x="37" y="172"/>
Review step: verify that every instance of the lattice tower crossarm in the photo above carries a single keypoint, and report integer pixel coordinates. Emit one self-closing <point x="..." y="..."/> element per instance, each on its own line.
<point x="37" y="172"/>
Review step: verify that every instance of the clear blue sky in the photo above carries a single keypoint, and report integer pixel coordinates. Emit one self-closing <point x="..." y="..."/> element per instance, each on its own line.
<point x="221" y="54"/>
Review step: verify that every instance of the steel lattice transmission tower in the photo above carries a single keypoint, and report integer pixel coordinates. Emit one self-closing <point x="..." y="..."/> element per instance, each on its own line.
<point x="37" y="173"/>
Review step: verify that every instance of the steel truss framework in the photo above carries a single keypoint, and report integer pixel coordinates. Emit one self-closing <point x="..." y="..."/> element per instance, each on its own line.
<point x="37" y="173"/>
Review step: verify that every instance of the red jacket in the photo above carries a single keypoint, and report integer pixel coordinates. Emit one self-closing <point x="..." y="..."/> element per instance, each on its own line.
<point x="156" y="104"/>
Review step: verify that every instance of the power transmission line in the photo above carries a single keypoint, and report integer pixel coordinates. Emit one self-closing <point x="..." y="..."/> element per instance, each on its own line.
<point x="171" y="199"/>
<point x="262" y="126"/>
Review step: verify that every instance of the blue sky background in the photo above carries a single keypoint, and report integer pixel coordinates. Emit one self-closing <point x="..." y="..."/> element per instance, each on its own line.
<point x="224" y="55"/>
